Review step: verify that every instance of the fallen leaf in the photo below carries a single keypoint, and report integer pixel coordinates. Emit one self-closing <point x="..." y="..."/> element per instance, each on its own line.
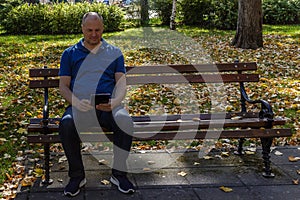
<point x="182" y="173"/>
<point x="150" y="162"/>
<point x="226" y="189"/>
<point x="27" y="181"/>
<point x="38" y="172"/>
<point x="296" y="181"/>
<point x="236" y="118"/>
<point x="196" y="163"/>
<point x="249" y="152"/>
<point x="278" y="153"/>
<point x="298" y="171"/>
<point x="62" y="159"/>
<point x="146" y="169"/>
<point x="207" y="157"/>
<point x="293" y="159"/>
<point x="226" y="154"/>
<point x="103" y="162"/>
<point x="105" y="182"/>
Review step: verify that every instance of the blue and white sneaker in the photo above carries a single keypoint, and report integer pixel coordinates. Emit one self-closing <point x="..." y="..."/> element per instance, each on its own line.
<point x="74" y="185"/>
<point x="123" y="184"/>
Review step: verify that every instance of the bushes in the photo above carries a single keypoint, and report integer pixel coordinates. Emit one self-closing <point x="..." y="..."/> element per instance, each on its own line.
<point x="58" y="18"/>
<point x="196" y="12"/>
<point x="223" y="14"/>
<point x="281" y="11"/>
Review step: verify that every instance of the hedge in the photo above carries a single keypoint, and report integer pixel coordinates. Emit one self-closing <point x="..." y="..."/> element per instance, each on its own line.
<point x="58" y="18"/>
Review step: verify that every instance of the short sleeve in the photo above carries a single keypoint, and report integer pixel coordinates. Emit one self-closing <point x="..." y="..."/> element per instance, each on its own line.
<point x="65" y="65"/>
<point x="120" y="66"/>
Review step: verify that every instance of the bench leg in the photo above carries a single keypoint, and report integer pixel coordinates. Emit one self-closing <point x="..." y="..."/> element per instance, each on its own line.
<point x="240" y="147"/>
<point x="266" y="149"/>
<point x="47" y="180"/>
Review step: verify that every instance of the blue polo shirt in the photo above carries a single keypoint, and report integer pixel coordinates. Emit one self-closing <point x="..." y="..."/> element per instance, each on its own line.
<point x="91" y="72"/>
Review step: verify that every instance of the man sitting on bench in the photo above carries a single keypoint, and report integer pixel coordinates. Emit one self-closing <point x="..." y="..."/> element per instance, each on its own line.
<point x="93" y="66"/>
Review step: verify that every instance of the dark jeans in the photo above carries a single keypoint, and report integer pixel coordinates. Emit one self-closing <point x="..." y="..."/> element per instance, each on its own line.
<point x="73" y="122"/>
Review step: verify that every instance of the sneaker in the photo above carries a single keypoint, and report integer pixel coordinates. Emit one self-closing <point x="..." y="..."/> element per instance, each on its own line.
<point x="74" y="185"/>
<point x="124" y="185"/>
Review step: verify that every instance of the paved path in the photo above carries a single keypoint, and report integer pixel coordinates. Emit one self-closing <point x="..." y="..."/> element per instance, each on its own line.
<point x="156" y="177"/>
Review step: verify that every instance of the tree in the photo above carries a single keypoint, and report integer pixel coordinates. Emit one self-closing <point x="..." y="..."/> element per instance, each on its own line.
<point x="144" y="12"/>
<point x="249" y="25"/>
<point x="173" y="16"/>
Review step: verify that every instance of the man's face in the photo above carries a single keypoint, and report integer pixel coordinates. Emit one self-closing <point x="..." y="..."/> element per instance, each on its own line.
<point x="92" y="31"/>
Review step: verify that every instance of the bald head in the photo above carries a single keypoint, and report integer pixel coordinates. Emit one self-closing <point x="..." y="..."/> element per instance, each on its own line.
<point x="91" y="16"/>
<point x="92" y="29"/>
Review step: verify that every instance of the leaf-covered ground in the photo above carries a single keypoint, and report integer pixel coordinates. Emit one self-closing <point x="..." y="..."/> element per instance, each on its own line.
<point x="278" y="61"/>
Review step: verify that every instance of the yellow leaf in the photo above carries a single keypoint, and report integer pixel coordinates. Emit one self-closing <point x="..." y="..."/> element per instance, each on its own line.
<point x="293" y="159"/>
<point x="38" y="172"/>
<point x="29" y="113"/>
<point x="182" y="173"/>
<point x="27" y="181"/>
<point x="207" y="157"/>
<point x="226" y="189"/>
<point x="296" y="181"/>
<point x="105" y="182"/>
<point x="21" y="130"/>
<point x="226" y="154"/>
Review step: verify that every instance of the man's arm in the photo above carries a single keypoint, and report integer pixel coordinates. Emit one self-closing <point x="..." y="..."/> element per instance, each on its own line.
<point x="64" y="88"/>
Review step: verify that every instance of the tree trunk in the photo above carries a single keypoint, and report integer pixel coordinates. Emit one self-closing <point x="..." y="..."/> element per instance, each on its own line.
<point x="173" y="16"/>
<point x="144" y="12"/>
<point x="249" y="26"/>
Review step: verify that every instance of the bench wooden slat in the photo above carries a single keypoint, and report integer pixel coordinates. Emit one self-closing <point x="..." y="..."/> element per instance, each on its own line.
<point x="49" y="83"/>
<point x="170" y="117"/>
<point x="172" y="135"/>
<point x="189" y="68"/>
<point x="46" y="72"/>
<point x="175" y="125"/>
<point x="206" y="78"/>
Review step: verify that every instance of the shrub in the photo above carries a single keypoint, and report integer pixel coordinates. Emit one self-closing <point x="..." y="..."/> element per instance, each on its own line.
<point x="281" y="11"/>
<point x="224" y="15"/>
<point x="196" y="12"/>
<point x="58" y="18"/>
<point x="6" y="6"/>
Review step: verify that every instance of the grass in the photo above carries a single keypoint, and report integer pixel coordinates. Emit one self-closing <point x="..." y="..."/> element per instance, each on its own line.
<point x="21" y="52"/>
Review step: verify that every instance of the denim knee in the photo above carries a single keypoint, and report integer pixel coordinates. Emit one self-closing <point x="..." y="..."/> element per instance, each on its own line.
<point x="67" y="127"/>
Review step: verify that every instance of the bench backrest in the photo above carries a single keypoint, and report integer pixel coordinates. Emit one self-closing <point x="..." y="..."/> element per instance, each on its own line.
<point x="164" y="74"/>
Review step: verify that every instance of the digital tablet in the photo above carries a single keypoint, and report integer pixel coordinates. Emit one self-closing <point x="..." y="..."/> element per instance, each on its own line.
<point x="101" y="98"/>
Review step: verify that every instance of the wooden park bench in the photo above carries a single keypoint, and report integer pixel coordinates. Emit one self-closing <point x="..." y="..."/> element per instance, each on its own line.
<point x="243" y="124"/>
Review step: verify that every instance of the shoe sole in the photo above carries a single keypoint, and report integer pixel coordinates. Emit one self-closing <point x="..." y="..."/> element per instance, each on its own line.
<point x="116" y="182"/>
<point x="82" y="183"/>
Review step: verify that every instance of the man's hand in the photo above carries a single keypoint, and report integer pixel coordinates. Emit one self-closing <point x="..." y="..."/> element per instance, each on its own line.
<point x="107" y="107"/>
<point x="104" y="107"/>
<point x="83" y="105"/>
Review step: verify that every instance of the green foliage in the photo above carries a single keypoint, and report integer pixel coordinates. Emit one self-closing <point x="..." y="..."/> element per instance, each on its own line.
<point x="6" y="6"/>
<point x="164" y="9"/>
<point x="58" y="18"/>
<point x="196" y="12"/>
<point x="281" y="11"/>
<point x="224" y="15"/>
<point x="221" y="14"/>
